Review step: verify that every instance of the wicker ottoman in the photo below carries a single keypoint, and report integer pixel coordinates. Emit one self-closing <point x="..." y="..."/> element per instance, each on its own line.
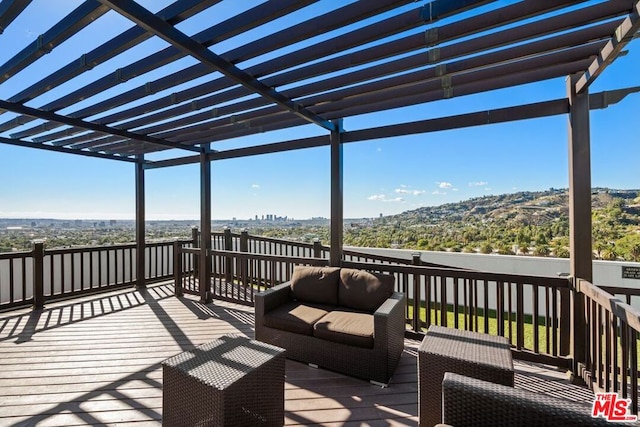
<point x="482" y="356"/>
<point x="229" y="381"/>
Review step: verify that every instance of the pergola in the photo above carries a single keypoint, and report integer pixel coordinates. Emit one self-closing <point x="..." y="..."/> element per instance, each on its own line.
<point x="408" y="53"/>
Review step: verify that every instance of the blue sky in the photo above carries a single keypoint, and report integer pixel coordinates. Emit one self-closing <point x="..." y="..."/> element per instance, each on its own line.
<point x="380" y="176"/>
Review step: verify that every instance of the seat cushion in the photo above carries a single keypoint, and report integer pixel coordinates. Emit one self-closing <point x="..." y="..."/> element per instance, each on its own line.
<point x="362" y="290"/>
<point x="346" y="327"/>
<point x="295" y="317"/>
<point x="317" y="285"/>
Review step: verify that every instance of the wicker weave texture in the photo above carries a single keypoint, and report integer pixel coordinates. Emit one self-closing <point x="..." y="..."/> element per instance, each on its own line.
<point x="472" y="402"/>
<point x="377" y="364"/>
<point x="476" y="355"/>
<point x="227" y="382"/>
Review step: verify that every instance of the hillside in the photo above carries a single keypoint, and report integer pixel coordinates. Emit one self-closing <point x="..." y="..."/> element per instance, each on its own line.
<point x="522" y="208"/>
<point x="523" y="223"/>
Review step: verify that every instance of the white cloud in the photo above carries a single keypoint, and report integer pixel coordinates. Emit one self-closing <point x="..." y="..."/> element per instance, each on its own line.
<point x="478" y="184"/>
<point x="383" y="198"/>
<point x="255" y="186"/>
<point x="444" y="184"/>
<point x="439" y="193"/>
<point x="404" y="190"/>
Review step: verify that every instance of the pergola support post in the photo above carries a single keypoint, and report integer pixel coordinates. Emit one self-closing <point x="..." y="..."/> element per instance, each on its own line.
<point x="140" y="226"/>
<point x="579" y="215"/>
<point x="204" y="276"/>
<point x="337" y="195"/>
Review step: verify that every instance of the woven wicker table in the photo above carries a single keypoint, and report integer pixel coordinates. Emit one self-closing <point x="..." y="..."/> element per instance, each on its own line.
<point x="482" y="356"/>
<point x="229" y="381"/>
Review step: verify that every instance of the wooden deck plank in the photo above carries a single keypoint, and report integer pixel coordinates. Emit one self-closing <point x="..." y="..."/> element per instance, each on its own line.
<point x="97" y="360"/>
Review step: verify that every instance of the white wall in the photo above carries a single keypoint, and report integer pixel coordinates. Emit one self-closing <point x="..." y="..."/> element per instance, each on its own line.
<point x="605" y="273"/>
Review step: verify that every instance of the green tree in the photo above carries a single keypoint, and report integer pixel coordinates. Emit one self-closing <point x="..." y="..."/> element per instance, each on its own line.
<point x="486" y="248"/>
<point x="610" y="254"/>
<point x="541" y="250"/>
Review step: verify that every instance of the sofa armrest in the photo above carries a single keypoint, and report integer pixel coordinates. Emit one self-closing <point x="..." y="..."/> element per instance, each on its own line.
<point x="271" y="298"/>
<point x="388" y="328"/>
<point x="266" y="301"/>
<point x="468" y="401"/>
<point x="391" y="306"/>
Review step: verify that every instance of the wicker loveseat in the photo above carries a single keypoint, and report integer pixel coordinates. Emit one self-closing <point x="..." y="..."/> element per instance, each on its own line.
<point x="472" y="402"/>
<point x="345" y="320"/>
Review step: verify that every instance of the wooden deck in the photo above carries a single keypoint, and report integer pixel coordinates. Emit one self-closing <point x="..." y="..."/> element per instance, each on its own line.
<point x="96" y="361"/>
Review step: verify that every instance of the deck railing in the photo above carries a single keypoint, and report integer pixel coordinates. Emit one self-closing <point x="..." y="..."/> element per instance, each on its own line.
<point x="16" y="284"/>
<point x="533" y="312"/>
<point x="611" y="338"/>
<point x="39" y="275"/>
<point x="525" y="309"/>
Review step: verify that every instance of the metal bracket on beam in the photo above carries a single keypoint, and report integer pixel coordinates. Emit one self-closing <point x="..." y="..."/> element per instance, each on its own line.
<point x="431" y="37"/>
<point x="441" y="70"/>
<point x="445" y="81"/>
<point x="602" y="100"/>
<point x="434" y="55"/>
<point x="429" y="13"/>
<point x="119" y="76"/>
<point x="447" y="93"/>
<point x="42" y="45"/>
<point x="84" y="63"/>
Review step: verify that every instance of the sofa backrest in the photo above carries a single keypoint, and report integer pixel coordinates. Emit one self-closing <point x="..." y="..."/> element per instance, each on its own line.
<point x="362" y="290"/>
<point x="317" y="285"/>
<point x="344" y="287"/>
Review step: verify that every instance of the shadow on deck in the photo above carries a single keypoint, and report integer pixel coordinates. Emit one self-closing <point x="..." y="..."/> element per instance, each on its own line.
<point x="96" y="360"/>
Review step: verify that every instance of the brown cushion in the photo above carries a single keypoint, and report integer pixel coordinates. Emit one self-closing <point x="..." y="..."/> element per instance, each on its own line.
<point x="317" y="285"/>
<point x="350" y="328"/>
<point x="295" y="317"/>
<point x="363" y="290"/>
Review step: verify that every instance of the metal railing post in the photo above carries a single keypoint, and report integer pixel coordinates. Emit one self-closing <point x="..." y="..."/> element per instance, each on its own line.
<point x="38" y="274"/>
<point x="416" y="260"/>
<point x="195" y="236"/>
<point x="244" y="262"/>
<point x="565" y="322"/>
<point x="317" y="248"/>
<point x="177" y="267"/>
<point x="195" y="242"/>
<point x="228" y="264"/>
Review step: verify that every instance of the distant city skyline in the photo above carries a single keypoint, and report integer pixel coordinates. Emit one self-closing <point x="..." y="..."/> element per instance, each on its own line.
<point x="385" y="176"/>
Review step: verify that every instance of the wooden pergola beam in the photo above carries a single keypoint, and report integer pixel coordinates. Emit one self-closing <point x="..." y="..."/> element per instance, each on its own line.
<point x="140" y="225"/>
<point x="204" y="277"/>
<point x="150" y="22"/>
<point x="107" y="130"/>
<point x="553" y="107"/>
<point x="337" y="195"/>
<point x="581" y="266"/>
<point x="623" y="34"/>
<point x="27" y="144"/>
